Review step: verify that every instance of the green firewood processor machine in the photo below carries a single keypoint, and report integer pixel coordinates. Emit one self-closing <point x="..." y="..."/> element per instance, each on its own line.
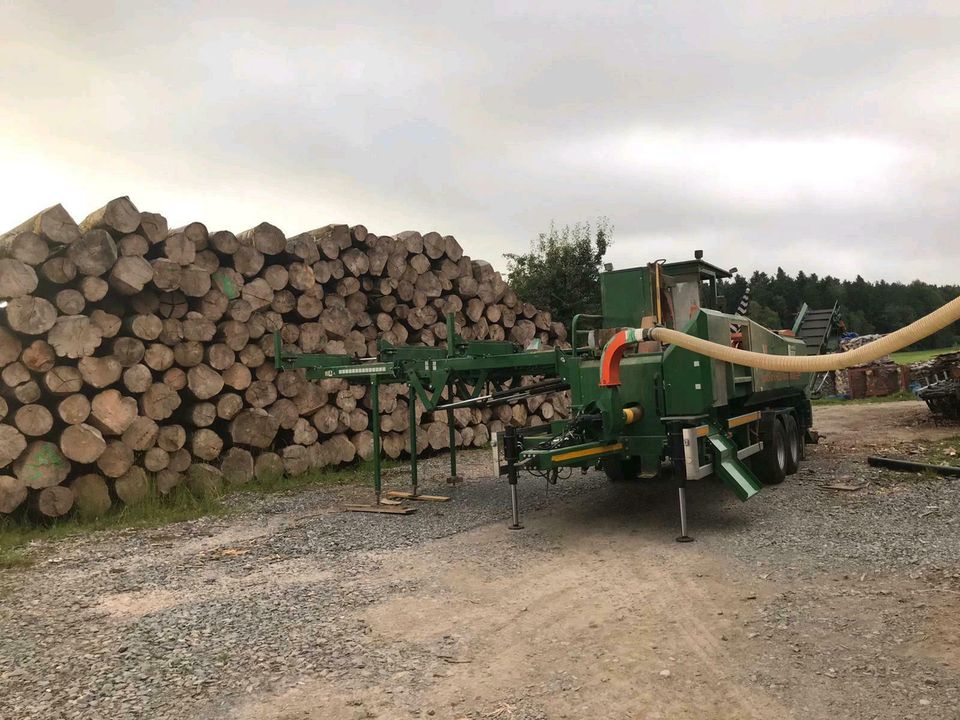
<point x="661" y="378"/>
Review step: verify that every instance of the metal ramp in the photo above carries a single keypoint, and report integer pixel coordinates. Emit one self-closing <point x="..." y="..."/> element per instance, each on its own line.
<point x="728" y="467"/>
<point x="815" y="327"/>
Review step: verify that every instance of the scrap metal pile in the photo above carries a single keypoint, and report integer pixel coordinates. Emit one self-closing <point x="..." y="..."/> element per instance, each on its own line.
<point x="939" y="384"/>
<point x="134" y="357"/>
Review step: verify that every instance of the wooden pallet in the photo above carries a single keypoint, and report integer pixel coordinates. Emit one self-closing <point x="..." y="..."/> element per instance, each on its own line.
<point x="383" y="509"/>
<point x="410" y="496"/>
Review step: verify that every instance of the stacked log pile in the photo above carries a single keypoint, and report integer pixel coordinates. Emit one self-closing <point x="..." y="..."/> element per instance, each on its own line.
<point x="136" y="357"/>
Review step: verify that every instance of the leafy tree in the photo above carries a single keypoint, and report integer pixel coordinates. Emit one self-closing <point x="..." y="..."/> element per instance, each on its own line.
<point x="561" y="272"/>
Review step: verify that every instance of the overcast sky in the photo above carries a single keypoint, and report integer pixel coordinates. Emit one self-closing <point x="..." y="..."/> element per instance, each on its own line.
<point x="816" y="136"/>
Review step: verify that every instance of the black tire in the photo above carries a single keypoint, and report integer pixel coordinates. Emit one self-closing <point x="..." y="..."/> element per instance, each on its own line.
<point x="619" y="470"/>
<point x="771" y="465"/>
<point x="794" y="443"/>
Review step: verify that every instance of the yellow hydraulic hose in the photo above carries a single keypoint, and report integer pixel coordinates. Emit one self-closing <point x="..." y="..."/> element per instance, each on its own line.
<point x="915" y="331"/>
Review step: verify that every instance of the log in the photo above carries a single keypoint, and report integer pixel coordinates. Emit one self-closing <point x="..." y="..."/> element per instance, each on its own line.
<point x="237" y="466"/>
<point x="133" y="245"/>
<point x="285" y="412"/>
<point x="53" y="501"/>
<point x="41" y="465"/>
<point x="130" y="275"/>
<point x="82" y="443"/>
<point x="206" y="444"/>
<point x="119" y="215"/>
<point x="188" y="354"/>
<point x="153" y="226"/>
<point x="94" y="253"/>
<point x="108" y="323"/>
<point x="30" y="315"/>
<point x="141" y="434"/>
<point x="115" y="460"/>
<point x="156" y="459"/>
<point x="128" y="351"/>
<point x="12" y="444"/>
<point x="179" y="460"/>
<point x="363" y="442"/>
<point x="159" y="402"/>
<point x="111" y="412"/>
<point x="27" y="393"/>
<point x="10" y="348"/>
<point x="209" y="261"/>
<point x="74" y="409"/>
<point x="228" y="405"/>
<point x="99" y="372"/>
<point x="296" y="460"/>
<point x="53" y="224"/>
<point x="166" y="274"/>
<point x="63" y="380"/>
<point x="204" y="480"/>
<point x="12" y="493"/>
<point x="254" y="427"/>
<point x="237" y="376"/>
<point x="26" y="246"/>
<point x="59" y="269"/>
<point x="195" y="281"/>
<point x="434" y="245"/>
<point x="179" y="249"/>
<point x="91" y="496"/>
<point x="15" y="374"/>
<point x="132" y="487"/>
<point x="268" y="467"/>
<point x="69" y="301"/>
<point x="33" y="420"/>
<point x="171" y="437"/>
<point x="304" y="433"/>
<point x="74" y="336"/>
<point x="258" y="293"/>
<point x="224" y="242"/>
<point x="260" y="394"/>
<point x="247" y="261"/>
<point x="202" y="414"/>
<point x="16" y="278"/>
<point x="204" y="382"/>
<point x="168" y="480"/>
<point x="266" y="238"/>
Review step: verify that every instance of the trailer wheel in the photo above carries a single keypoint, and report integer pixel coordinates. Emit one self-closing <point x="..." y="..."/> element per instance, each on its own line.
<point x="618" y="470"/>
<point x="771" y="465"/>
<point x="794" y="447"/>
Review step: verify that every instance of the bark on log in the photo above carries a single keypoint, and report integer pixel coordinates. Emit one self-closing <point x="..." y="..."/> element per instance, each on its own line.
<point x="53" y="224"/>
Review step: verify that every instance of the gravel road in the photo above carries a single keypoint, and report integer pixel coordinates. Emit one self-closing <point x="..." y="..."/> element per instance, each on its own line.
<point x="805" y="602"/>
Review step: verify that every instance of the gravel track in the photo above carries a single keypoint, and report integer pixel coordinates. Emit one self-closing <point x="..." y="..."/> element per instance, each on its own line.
<point x="290" y="604"/>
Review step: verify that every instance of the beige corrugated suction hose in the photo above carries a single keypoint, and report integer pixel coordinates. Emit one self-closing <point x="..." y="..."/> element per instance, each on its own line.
<point x="915" y="331"/>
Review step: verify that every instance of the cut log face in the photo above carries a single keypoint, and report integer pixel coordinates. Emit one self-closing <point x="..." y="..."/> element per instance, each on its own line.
<point x="119" y="215"/>
<point x="111" y="412"/>
<point x="55" y="501"/>
<point x="132" y="487"/>
<point x="16" y="278"/>
<point x="12" y="493"/>
<point x="254" y="428"/>
<point x="130" y="275"/>
<point x="206" y="444"/>
<point x="141" y="434"/>
<point x="91" y="495"/>
<point x="30" y="315"/>
<point x="94" y="253"/>
<point x="266" y="238"/>
<point x="153" y="227"/>
<point x="74" y="336"/>
<point x="82" y="443"/>
<point x="204" y="480"/>
<point x="33" y="420"/>
<point x="204" y="382"/>
<point x="115" y="460"/>
<point x="12" y="444"/>
<point x="171" y="437"/>
<point x="41" y="465"/>
<point x="159" y="402"/>
<point x="100" y="372"/>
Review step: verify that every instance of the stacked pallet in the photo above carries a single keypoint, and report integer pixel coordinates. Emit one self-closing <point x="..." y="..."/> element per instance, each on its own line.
<point x="134" y="356"/>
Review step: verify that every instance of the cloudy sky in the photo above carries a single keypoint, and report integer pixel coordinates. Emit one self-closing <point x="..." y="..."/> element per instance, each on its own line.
<point x="816" y="136"/>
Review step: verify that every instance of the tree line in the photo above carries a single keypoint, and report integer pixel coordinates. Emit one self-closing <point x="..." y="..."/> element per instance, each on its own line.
<point x="561" y="272"/>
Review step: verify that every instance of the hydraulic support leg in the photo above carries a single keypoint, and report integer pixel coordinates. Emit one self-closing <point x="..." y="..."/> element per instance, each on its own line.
<point x="511" y="455"/>
<point x="375" y="407"/>
<point x="682" y="493"/>
<point x="453" y="479"/>
<point x="413" y="443"/>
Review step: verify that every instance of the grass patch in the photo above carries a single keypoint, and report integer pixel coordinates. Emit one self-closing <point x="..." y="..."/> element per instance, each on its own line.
<point x="912" y="356"/>
<point x="896" y="397"/>
<point x="19" y="530"/>
<point x="943" y="452"/>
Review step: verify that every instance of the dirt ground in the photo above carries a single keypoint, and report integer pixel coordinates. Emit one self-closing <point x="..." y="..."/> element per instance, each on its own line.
<point x="593" y="611"/>
<point x="806" y="602"/>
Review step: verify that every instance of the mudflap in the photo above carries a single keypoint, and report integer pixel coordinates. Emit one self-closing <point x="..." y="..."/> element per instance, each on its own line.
<point x="734" y="473"/>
